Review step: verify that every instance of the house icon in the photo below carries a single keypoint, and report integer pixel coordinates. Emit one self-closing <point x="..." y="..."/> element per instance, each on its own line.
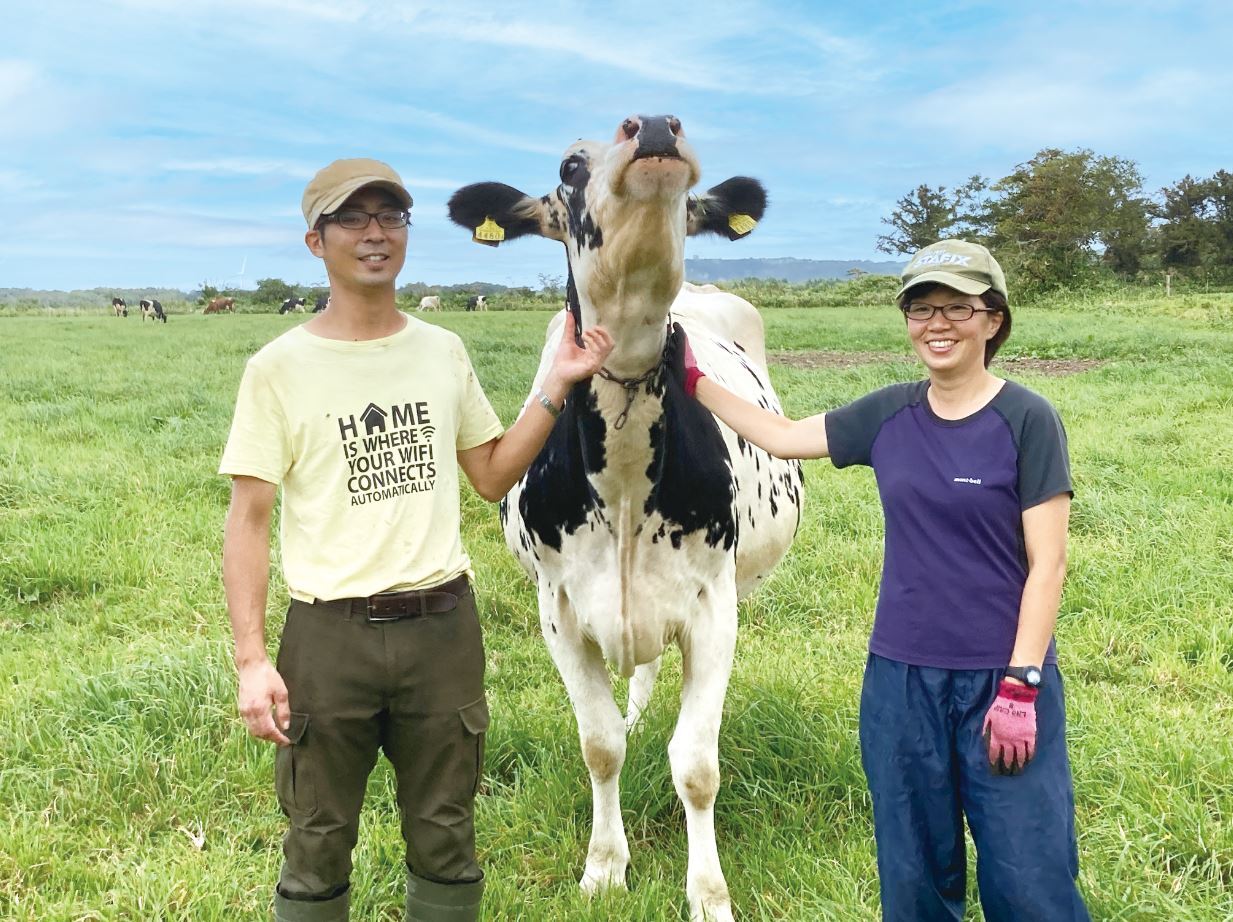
<point x="374" y="419"/>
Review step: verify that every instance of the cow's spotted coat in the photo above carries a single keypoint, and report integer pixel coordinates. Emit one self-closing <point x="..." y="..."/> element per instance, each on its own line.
<point x="643" y="519"/>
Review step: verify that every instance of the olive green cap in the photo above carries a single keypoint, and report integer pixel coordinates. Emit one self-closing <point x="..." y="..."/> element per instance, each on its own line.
<point x="959" y="264"/>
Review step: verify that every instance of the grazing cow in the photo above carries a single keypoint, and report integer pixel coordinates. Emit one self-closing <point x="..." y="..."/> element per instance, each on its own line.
<point x="323" y="301"/>
<point x="430" y="303"/>
<point x="120" y="308"/>
<point x="292" y="304"/>
<point x="152" y="309"/>
<point x="477" y="303"/>
<point x="218" y="305"/>
<point x="644" y="520"/>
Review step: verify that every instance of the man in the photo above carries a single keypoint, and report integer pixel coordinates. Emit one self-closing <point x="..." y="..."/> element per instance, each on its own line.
<point x="364" y="415"/>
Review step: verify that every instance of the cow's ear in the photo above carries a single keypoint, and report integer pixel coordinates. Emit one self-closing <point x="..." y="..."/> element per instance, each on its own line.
<point x="494" y="213"/>
<point x="733" y="208"/>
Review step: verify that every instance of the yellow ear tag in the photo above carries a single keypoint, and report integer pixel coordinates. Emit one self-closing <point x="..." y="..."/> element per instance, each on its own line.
<point x="489" y="233"/>
<point x="741" y="224"/>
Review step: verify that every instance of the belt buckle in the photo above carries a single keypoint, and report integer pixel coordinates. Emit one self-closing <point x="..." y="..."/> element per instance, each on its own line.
<point x="375" y="618"/>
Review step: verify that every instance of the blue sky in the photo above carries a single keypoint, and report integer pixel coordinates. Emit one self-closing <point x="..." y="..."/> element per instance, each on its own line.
<point x="165" y="143"/>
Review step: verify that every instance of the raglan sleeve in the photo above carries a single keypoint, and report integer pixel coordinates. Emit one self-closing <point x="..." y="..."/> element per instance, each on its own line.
<point x="1044" y="458"/>
<point x="852" y="429"/>
<point x="477" y="421"/>
<point x="260" y="442"/>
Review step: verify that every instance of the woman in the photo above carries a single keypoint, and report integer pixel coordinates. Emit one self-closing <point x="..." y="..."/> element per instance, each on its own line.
<point x="961" y="709"/>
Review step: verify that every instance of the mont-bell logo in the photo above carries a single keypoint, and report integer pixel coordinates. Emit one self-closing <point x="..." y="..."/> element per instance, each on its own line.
<point x="974" y="480"/>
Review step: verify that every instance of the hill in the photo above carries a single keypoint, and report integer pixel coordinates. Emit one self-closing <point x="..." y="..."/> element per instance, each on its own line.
<point x="787" y="268"/>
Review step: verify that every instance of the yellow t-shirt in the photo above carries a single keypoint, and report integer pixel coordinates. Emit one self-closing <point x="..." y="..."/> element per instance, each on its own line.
<point x="362" y="437"/>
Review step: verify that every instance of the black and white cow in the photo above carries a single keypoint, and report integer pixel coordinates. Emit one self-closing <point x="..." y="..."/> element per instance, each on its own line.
<point x="323" y="301"/>
<point x="152" y="309"/>
<point x="644" y="520"/>
<point x="477" y="303"/>
<point x="292" y="304"/>
<point x="119" y="307"/>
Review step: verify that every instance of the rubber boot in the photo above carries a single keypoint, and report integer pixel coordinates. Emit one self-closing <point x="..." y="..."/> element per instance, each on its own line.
<point x="335" y="910"/>
<point x="428" y="901"/>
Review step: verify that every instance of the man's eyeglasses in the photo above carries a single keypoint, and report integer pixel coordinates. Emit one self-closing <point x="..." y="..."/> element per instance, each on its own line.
<point x="354" y="219"/>
<point x="918" y="310"/>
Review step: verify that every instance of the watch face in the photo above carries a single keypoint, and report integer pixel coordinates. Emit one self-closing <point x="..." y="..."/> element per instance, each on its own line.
<point x="1032" y="676"/>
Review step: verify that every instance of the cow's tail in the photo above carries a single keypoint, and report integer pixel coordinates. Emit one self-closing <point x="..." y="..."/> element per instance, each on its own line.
<point x="625" y="568"/>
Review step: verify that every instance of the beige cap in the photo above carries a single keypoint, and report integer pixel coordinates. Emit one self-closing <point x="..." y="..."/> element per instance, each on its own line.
<point x="958" y="264"/>
<point x="335" y="183"/>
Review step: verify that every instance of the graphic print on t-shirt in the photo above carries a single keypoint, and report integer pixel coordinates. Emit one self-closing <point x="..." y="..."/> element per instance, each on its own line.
<point x="389" y="452"/>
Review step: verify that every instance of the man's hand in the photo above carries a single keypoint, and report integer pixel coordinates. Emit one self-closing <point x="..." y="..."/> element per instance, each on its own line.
<point x="571" y="363"/>
<point x="1010" y="729"/>
<point x="263" y="702"/>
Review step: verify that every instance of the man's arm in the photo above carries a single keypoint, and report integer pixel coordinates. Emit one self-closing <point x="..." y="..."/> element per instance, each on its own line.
<point x="246" y="577"/>
<point x="496" y="465"/>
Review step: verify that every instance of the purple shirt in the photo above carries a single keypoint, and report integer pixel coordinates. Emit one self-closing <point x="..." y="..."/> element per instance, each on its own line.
<point x="953" y="494"/>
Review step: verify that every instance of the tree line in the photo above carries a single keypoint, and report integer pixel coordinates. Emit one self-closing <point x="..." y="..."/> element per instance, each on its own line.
<point x="1069" y="218"/>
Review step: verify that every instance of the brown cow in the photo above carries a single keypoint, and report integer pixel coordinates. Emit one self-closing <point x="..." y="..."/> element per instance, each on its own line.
<point x="218" y="305"/>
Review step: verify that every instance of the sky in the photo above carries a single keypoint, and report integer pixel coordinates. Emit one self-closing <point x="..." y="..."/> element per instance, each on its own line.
<point x="163" y="143"/>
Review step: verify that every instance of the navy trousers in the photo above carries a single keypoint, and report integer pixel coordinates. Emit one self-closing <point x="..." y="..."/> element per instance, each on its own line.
<point x="924" y="756"/>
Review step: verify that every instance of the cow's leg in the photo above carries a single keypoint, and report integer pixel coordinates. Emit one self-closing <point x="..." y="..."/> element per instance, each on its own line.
<point x="640" y="688"/>
<point x="706" y="663"/>
<point x="601" y="732"/>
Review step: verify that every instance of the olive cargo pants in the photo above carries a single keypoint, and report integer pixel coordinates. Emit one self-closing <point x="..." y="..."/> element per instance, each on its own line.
<point x="411" y="688"/>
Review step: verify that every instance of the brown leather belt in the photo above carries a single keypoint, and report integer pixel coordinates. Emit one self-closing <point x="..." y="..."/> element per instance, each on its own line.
<point x="397" y="606"/>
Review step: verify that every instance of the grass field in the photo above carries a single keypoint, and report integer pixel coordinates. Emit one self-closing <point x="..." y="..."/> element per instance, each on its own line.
<point x="129" y="789"/>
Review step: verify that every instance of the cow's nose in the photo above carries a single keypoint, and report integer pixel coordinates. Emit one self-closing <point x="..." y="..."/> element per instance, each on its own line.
<point x="629" y="128"/>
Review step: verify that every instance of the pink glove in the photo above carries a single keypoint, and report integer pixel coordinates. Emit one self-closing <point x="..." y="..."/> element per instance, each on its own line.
<point x="692" y="372"/>
<point x="1010" y="728"/>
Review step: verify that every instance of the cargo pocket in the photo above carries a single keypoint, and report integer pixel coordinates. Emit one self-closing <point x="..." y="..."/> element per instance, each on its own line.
<point x="292" y="774"/>
<point x="475" y="721"/>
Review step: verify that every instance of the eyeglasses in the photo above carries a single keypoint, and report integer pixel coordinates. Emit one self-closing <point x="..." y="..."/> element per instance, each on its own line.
<point x="919" y="310"/>
<point x="354" y="219"/>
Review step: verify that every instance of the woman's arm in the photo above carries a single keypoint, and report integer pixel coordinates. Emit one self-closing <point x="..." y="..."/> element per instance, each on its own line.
<point x="779" y="435"/>
<point x="1045" y="528"/>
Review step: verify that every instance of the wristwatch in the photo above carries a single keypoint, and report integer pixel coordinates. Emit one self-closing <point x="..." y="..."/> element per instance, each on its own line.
<point x="1028" y="675"/>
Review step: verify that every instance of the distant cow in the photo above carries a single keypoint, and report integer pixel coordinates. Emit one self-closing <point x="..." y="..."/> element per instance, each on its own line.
<point x="430" y="303"/>
<point x="152" y="309"/>
<point x="118" y="305"/>
<point x="292" y="304"/>
<point x="323" y="301"/>
<point x="477" y="303"/>
<point x="218" y="305"/>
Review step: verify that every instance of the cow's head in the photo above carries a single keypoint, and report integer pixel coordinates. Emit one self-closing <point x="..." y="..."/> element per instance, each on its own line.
<point x="623" y="211"/>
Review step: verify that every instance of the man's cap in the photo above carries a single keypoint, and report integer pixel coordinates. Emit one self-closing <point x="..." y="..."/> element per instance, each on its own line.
<point x="335" y="183"/>
<point x="959" y="264"/>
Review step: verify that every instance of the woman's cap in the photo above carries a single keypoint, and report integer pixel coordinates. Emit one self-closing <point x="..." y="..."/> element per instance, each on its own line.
<point x="958" y="264"/>
<point x="335" y="183"/>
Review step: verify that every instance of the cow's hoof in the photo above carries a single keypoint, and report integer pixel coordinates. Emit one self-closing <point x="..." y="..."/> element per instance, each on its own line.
<point x="598" y="877"/>
<point x="712" y="912"/>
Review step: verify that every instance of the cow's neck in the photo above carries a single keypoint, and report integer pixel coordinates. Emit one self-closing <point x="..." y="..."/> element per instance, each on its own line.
<point x="631" y="282"/>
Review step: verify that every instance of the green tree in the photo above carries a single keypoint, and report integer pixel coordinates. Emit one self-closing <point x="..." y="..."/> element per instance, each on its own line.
<point x="926" y="215"/>
<point x="272" y="291"/>
<point x="1196" y="229"/>
<point x="1059" y="216"/>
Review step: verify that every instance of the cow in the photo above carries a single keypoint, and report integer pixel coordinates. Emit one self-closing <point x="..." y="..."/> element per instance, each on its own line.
<point x="218" y="305"/>
<point x="323" y="301"/>
<point x="120" y="308"/>
<point x="477" y="303"/>
<point x="430" y="303"/>
<point x="643" y="520"/>
<point x="152" y="309"/>
<point x="292" y="304"/>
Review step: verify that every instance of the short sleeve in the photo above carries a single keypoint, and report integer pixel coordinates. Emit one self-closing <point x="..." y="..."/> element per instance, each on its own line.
<point x="259" y="444"/>
<point x="477" y="421"/>
<point x="1044" y="460"/>
<point x="852" y="429"/>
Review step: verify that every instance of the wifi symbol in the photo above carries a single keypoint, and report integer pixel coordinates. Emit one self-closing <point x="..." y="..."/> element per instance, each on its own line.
<point x="428" y="432"/>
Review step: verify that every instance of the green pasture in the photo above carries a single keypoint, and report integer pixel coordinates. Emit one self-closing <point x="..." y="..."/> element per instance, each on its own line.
<point x="129" y="789"/>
